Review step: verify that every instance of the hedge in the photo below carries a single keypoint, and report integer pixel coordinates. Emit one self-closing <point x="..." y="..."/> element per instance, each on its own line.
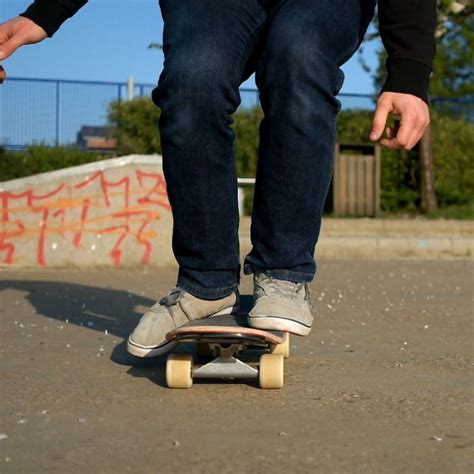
<point x="40" y="159"/>
<point x="136" y="124"/>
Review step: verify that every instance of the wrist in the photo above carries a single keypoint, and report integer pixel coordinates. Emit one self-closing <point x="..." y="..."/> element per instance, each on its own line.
<point x="407" y="76"/>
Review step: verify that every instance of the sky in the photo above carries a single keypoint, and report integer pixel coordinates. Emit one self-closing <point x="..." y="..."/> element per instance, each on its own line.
<point x="107" y="41"/>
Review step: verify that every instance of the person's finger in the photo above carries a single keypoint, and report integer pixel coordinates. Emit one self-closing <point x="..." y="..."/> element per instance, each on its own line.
<point x="391" y="135"/>
<point x="418" y="125"/>
<point x="407" y="125"/>
<point x="392" y="143"/>
<point x="380" y="119"/>
<point x="10" y="46"/>
<point x="414" y="139"/>
<point x="422" y="124"/>
<point x="5" y="32"/>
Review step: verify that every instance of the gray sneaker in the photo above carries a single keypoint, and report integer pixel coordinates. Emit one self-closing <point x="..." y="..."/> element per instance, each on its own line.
<point x="177" y="308"/>
<point x="280" y="305"/>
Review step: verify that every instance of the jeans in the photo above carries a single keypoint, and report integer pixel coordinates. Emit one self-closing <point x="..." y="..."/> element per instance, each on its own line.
<point x="295" y="48"/>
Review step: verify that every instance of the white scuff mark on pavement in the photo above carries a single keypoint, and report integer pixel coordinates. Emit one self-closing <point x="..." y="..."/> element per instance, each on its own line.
<point x="3" y="436"/>
<point x="436" y="438"/>
<point x="54" y="245"/>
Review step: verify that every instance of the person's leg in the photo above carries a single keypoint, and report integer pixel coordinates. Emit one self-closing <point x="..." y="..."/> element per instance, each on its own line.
<point x="298" y="76"/>
<point x="206" y="46"/>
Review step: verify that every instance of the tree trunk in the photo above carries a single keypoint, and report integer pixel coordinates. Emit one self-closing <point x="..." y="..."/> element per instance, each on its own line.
<point x="429" y="202"/>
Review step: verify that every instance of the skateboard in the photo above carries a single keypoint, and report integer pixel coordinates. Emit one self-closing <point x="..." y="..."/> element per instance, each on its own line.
<point x="226" y="348"/>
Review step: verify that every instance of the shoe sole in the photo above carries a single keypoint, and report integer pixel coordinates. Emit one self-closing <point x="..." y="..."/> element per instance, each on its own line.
<point x="155" y="351"/>
<point x="275" y="323"/>
<point x="148" y="352"/>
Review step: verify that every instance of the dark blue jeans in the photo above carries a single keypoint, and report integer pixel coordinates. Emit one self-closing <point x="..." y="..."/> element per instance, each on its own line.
<point x="296" y="48"/>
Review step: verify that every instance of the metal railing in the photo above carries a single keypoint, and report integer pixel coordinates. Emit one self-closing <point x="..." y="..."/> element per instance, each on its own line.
<point x="53" y="112"/>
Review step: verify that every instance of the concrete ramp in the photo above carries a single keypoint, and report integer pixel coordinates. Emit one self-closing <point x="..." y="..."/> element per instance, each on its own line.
<point x="111" y="212"/>
<point x="116" y="212"/>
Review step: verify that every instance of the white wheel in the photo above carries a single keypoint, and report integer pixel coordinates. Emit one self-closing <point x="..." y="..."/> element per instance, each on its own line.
<point x="283" y="348"/>
<point x="271" y="371"/>
<point x="178" y="371"/>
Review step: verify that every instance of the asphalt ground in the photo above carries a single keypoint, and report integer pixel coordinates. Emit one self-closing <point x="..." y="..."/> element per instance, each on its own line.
<point x="382" y="385"/>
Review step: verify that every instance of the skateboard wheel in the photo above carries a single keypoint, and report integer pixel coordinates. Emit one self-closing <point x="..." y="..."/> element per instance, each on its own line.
<point x="271" y="371"/>
<point x="282" y="349"/>
<point x="179" y="371"/>
<point x="204" y="350"/>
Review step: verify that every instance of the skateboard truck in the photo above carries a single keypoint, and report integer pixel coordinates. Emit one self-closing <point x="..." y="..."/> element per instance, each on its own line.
<point x="223" y="341"/>
<point x="225" y="365"/>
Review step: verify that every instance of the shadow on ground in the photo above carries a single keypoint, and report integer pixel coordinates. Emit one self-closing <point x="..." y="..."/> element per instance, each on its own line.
<point x="99" y="309"/>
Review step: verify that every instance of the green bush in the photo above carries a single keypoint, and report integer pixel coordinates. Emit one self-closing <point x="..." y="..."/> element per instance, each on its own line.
<point x="40" y="159"/>
<point x="136" y="132"/>
<point x="246" y="123"/>
<point x="136" y="126"/>
<point x="453" y="145"/>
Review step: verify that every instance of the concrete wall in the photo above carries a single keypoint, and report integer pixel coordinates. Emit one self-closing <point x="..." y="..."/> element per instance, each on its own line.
<point x="112" y="212"/>
<point x="116" y="212"/>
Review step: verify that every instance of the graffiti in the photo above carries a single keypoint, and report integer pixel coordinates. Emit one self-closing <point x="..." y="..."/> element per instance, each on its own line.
<point x="119" y="213"/>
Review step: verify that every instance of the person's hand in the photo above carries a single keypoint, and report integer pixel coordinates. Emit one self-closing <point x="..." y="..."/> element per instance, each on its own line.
<point x="414" y="119"/>
<point x="18" y="32"/>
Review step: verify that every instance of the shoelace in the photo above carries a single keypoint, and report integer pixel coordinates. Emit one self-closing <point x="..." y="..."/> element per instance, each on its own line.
<point x="171" y="298"/>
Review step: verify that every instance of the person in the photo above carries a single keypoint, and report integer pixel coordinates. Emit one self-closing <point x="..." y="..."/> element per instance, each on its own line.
<point x="296" y="49"/>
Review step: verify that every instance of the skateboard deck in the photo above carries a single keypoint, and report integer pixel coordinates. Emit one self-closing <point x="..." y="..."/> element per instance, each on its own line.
<point x="227" y="327"/>
<point x="225" y="340"/>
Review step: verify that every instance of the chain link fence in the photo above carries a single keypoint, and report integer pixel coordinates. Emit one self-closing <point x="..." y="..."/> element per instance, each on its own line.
<point x="56" y="112"/>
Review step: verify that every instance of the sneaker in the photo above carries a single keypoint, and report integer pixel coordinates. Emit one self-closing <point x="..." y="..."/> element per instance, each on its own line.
<point x="280" y="305"/>
<point x="174" y="310"/>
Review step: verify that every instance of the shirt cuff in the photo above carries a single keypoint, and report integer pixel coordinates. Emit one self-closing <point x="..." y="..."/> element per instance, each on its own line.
<point x="407" y="76"/>
<point x="51" y="14"/>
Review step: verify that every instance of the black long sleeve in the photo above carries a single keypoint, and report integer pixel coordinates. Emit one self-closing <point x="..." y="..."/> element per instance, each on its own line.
<point x="51" y="14"/>
<point x="407" y="29"/>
